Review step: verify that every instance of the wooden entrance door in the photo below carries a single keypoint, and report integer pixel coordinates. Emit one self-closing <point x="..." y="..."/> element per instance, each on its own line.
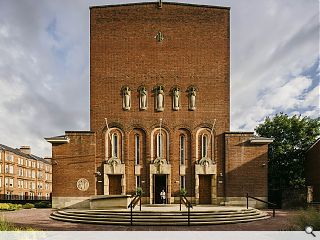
<point x="205" y="189"/>
<point x="115" y="184"/>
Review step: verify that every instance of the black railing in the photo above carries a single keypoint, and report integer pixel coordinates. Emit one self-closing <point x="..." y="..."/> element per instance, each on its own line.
<point x="21" y="199"/>
<point x="136" y="199"/>
<point x="187" y="203"/>
<point x="269" y="203"/>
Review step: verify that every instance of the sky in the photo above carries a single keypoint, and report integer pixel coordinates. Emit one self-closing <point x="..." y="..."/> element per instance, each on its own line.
<point x="44" y="65"/>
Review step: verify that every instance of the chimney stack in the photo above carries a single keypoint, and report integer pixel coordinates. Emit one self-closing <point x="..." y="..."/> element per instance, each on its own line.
<point x="25" y="149"/>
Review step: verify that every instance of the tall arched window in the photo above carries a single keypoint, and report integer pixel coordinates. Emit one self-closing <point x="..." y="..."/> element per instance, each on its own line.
<point x="115" y="145"/>
<point x="204" y="146"/>
<point x="137" y="149"/>
<point x="159" y="145"/>
<point x="182" y="149"/>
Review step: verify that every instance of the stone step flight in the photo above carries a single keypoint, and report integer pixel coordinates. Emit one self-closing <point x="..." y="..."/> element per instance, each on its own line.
<point x="159" y="217"/>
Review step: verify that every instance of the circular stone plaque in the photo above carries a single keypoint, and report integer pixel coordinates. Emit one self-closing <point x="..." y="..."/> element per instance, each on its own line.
<point x="83" y="184"/>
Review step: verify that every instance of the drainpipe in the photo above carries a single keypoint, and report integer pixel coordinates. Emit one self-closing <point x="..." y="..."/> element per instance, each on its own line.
<point x="224" y="168"/>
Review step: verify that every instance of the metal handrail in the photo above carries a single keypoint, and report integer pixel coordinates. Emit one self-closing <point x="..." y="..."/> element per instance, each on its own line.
<point x="132" y="204"/>
<point x="260" y="200"/>
<point x="187" y="203"/>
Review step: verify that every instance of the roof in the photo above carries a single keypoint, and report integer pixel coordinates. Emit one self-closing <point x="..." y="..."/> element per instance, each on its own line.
<point x="20" y="153"/>
<point x="315" y="143"/>
<point x="239" y="133"/>
<point x="166" y="3"/>
<point x="261" y="140"/>
<point x="58" y="139"/>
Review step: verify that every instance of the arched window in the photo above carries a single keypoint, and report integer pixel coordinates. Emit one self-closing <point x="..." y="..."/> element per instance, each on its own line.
<point x="115" y="145"/>
<point x="204" y="146"/>
<point x="182" y="149"/>
<point x="159" y="145"/>
<point x="137" y="149"/>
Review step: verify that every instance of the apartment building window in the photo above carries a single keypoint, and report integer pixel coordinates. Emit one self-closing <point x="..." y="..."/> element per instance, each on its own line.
<point x="33" y="174"/>
<point x="11" y="169"/>
<point x="47" y="176"/>
<point x="33" y="164"/>
<point x="8" y="195"/>
<point x="26" y="184"/>
<point x="21" y="196"/>
<point x="137" y="149"/>
<point x="11" y="182"/>
<point x="182" y="149"/>
<point x="182" y="182"/>
<point x="40" y="186"/>
<point x="6" y="169"/>
<point x="0" y="168"/>
<point x="29" y="173"/>
<point x="39" y="196"/>
<point x="31" y="194"/>
<point x="47" y="186"/>
<point x="29" y="163"/>
<point x="47" y="196"/>
<point x="20" y="183"/>
<point x="0" y="182"/>
<point x="9" y="157"/>
<point x="6" y="181"/>
<point x="20" y="161"/>
<point x="20" y="172"/>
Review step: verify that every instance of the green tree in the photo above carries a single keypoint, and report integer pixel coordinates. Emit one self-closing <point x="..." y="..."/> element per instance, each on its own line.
<point x="292" y="137"/>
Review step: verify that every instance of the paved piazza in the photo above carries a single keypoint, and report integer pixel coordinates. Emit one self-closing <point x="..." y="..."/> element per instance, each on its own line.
<point x="39" y="219"/>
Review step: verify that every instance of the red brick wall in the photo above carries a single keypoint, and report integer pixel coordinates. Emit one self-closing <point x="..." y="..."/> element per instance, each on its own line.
<point x="312" y="170"/>
<point x="245" y="169"/>
<point x="72" y="161"/>
<point x="195" y="51"/>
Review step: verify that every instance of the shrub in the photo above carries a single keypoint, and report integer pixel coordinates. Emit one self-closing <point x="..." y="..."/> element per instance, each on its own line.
<point x="183" y="192"/>
<point x="139" y="191"/>
<point x="42" y="205"/>
<point x="309" y="217"/>
<point x="9" y="206"/>
<point x="28" y="206"/>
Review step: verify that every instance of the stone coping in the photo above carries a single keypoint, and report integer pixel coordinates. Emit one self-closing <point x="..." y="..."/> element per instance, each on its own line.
<point x="108" y="196"/>
<point x="172" y="208"/>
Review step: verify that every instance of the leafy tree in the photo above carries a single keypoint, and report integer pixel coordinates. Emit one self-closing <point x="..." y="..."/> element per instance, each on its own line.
<point x="292" y="137"/>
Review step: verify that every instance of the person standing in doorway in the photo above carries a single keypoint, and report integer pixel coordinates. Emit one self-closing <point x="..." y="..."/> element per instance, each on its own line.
<point x="163" y="196"/>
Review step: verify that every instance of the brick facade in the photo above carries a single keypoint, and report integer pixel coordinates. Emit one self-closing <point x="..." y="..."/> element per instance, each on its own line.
<point x="246" y="167"/>
<point x="312" y="170"/>
<point x="127" y="53"/>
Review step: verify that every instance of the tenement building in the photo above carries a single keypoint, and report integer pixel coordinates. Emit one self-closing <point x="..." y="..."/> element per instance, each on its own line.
<point x="23" y="175"/>
<point x="159" y="112"/>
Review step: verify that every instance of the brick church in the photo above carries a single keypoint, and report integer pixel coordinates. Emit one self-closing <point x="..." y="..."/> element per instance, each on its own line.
<point x="159" y="112"/>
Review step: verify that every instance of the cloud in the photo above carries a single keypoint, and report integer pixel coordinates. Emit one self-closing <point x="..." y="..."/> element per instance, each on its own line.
<point x="44" y="65"/>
